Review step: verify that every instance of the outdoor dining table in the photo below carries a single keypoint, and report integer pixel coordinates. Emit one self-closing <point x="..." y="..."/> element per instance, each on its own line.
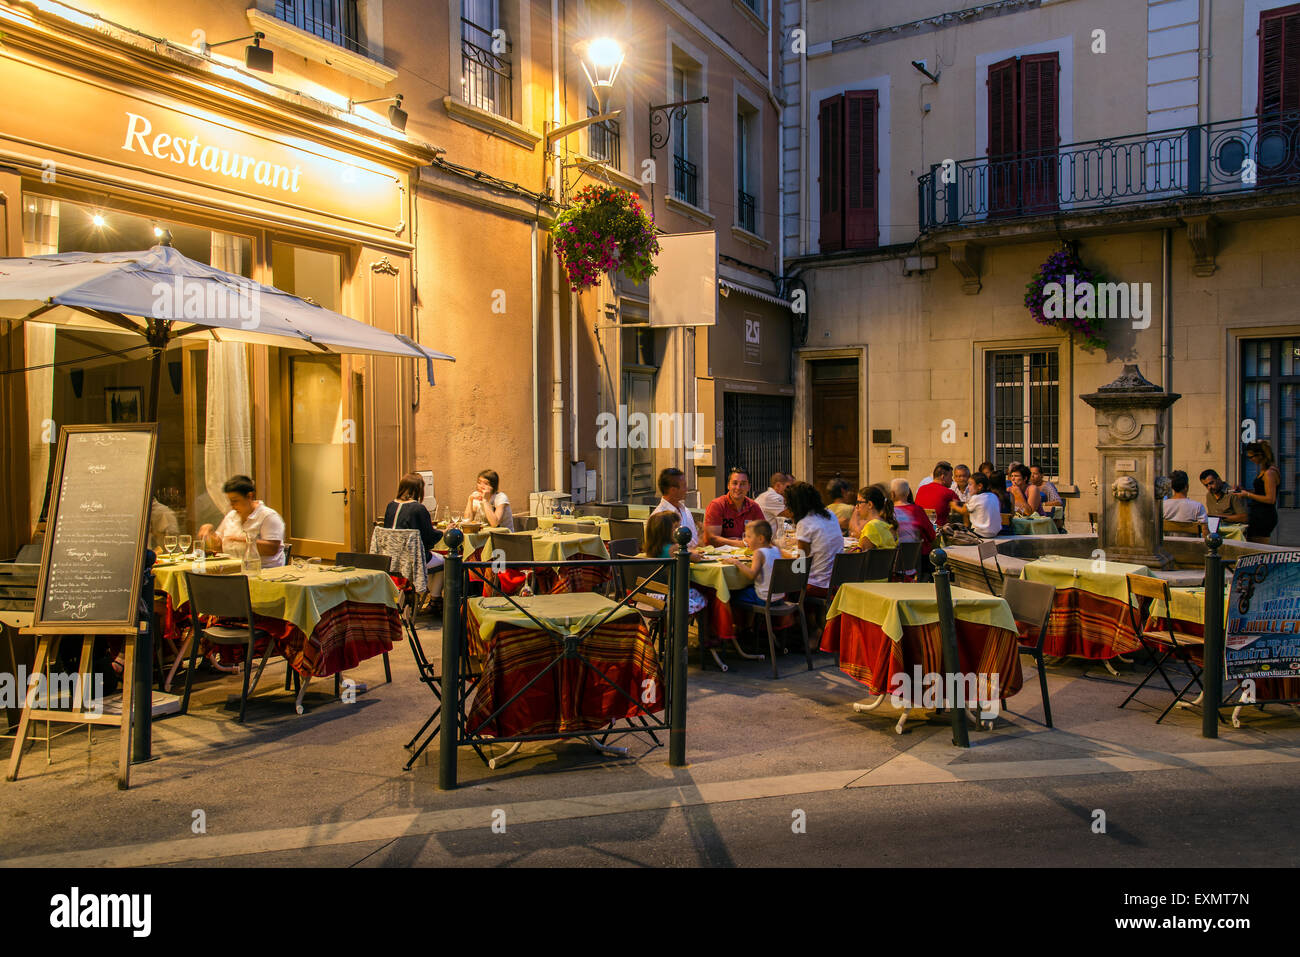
<point x="323" y="620"/>
<point x="1033" y="525"/>
<point x="547" y="522"/>
<point x="1236" y="533"/>
<point x="550" y="547"/>
<point x="882" y="629"/>
<point x="1090" y="615"/>
<point x="716" y="581"/>
<point x="614" y="674"/>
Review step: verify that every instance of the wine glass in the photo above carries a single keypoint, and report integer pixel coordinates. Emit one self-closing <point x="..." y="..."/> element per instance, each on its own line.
<point x="169" y="544"/>
<point x="187" y="543"/>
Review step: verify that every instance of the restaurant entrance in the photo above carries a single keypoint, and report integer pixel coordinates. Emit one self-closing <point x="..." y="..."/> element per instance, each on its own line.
<point x="833" y="430"/>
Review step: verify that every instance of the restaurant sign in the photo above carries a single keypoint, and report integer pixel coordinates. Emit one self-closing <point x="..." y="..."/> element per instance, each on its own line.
<point x="192" y="146"/>
<point x="1263" y="634"/>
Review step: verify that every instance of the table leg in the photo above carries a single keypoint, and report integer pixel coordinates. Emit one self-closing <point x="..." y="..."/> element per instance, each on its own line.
<point x="302" y="690"/>
<point x="612" y="749"/>
<point x="502" y="760"/>
<point x="735" y="643"/>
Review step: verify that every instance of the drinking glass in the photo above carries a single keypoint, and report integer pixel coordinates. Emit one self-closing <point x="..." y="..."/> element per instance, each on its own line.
<point x="187" y="542"/>
<point x="169" y="544"/>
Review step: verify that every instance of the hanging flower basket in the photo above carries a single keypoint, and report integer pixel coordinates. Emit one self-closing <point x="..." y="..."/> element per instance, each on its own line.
<point x="605" y="229"/>
<point x="1063" y="294"/>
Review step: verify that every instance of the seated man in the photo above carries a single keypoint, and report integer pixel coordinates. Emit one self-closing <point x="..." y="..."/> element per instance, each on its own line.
<point x="727" y="515"/>
<point x="772" y="502"/>
<point x="961" y="483"/>
<point x="1178" y="507"/>
<point x="162" y="522"/>
<point x="1220" y="502"/>
<point x="934" y="473"/>
<point x="672" y="486"/>
<point x="936" y="494"/>
<point x="247" y="515"/>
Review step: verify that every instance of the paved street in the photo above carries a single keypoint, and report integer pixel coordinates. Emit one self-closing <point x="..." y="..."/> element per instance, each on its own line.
<point x="327" y="788"/>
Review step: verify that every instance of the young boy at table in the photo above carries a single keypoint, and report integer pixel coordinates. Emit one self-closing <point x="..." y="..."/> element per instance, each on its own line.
<point x="758" y="568"/>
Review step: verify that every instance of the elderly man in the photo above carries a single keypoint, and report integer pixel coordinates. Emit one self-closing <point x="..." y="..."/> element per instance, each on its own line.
<point x="772" y="502"/>
<point x="672" y="486"/>
<point x="727" y="515"/>
<point x="961" y="483"/>
<point x="1220" y="502"/>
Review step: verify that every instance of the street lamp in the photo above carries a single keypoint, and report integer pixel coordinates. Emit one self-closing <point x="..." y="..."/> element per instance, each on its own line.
<point x="601" y="60"/>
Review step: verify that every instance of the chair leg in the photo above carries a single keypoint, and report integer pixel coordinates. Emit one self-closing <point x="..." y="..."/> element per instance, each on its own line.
<point x="1196" y="680"/>
<point x="771" y="641"/>
<point x="388" y="670"/>
<point x="1158" y="667"/>
<point x="189" y="672"/>
<point x="288" y="675"/>
<point x="248" y="670"/>
<point x="807" y="650"/>
<point x="1042" y="685"/>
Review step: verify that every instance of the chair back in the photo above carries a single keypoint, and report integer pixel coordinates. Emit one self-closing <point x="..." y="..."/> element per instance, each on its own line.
<point x="406" y="549"/>
<point x="601" y="510"/>
<point x="220" y="596"/>
<point x="879" y="565"/>
<point x="626" y="528"/>
<point x="624" y="547"/>
<point x="1142" y="591"/>
<point x="1031" y="602"/>
<point x="616" y="511"/>
<point x="526" y="523"/>
<point x="906" y="557"/>
<point x="847" y="567"/>
<point x="788" y="582"/>
<point x="986" y="551"/>
<point x="517" y="546"/>
<point x="379" y="563"/>
<point x="1182" y="528"/>
<point x="586" y="528"/>
<point x="286" y="553"/>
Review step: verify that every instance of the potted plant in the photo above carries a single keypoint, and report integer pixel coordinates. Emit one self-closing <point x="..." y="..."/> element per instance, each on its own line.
<point x="1063" y="294"/>
<point x="604" y="230"/>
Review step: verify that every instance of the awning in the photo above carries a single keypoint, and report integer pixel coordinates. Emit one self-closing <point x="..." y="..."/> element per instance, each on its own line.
<point x="746" y="291"/>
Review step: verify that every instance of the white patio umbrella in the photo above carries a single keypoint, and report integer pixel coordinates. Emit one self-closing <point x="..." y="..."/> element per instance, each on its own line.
<point x="162" y="295"/>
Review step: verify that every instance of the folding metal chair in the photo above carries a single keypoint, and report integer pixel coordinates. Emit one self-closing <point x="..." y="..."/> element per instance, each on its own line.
<point x="586" y="528"/>
<point x="622" y="548"/>
<point x="1031" y="606"/>
<point x="986" y="551"/>
<point x="226" y="598"/>
<point x="791" y="585"/>
<point x="430" y="675"/>
<point x="526" y="523"/>
<point x="1178" y="645"/>
<point x="847" y="567"/>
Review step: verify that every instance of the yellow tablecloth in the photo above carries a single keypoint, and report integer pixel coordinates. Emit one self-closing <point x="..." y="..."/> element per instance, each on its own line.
<point x="546" y="522"/>
<point x="639" y="511"/>
<point x="170" y="577"/>
<point x="1062" y="571"/>
<point x="893" y="605"/>
<point x="722" y="577"/>
<point x="473" y="542"/>
<point x="1033" y="525"/>
<point x="568" y="613"/>
<point x="1235" y="532"/>
<point x="1188" y="605"/>
<point x="300" y="597"/>
<point x="547" y="546"/>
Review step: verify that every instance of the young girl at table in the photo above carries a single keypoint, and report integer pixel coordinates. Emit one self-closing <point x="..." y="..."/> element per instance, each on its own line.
<point x="659" y="543"/>
<point x="488" y="504"/>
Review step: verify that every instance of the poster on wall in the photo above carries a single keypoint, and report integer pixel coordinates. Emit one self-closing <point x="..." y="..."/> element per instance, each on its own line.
<point x="1263" y="634"/>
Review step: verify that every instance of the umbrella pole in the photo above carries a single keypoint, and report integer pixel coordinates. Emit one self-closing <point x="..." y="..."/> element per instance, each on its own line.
<point x="158" y="339"/>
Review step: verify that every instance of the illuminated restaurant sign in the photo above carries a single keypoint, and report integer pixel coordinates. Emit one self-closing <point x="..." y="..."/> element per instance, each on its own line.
<point x="190" y="151"/>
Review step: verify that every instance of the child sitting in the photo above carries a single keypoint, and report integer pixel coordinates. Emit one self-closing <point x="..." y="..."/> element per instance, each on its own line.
<point x="758" y="569"/>
<point x="659" y="531"/>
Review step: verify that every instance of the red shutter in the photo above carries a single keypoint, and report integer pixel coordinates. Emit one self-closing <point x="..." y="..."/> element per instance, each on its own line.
<point x="1004" y="138"/>
<point x="1279" y="94"/>
<point x="1039" y="131"/>
<point x="861" y="165"/>
<point x="830" y="119"/>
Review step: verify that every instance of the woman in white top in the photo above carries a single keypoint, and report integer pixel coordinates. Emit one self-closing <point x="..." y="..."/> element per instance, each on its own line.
<point x="489" y="505"/>
<point x="984" y="508"/>
<point x="818" y="533"/>
<point x="247" y="515"/>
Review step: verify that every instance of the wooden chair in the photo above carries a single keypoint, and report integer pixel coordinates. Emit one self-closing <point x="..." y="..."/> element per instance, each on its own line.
<point x="1031" y="606"/>
<point x="622" y="548"/>
<point x="1178" y="645"/>
<point x="517" y="546"/>
<point x="785" y="582"/>
<point x="906" y="559"/>
<point x="1182" y="528"/>
<point x="226" y="598"/>
<point x="986" y="551"/>
<point x="430" y="675"/>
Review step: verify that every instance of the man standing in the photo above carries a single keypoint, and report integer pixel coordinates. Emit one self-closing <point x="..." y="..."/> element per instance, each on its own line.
<point x="936" y="494"/>
<point x="1049" y="493"/>
<point x="727" y="515"/>
<point x="772" y="502"/>
<point x="1178" y="507"/>
<point x="1219" y="500"/>
<point x="672" y="486"/>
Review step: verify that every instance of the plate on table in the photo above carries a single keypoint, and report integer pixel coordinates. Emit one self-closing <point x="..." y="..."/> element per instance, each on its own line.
<point x="341" y="568"/>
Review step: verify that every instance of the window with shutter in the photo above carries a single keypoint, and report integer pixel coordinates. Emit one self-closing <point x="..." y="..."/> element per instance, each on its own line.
<point x="1024" y="133"/>
<point x="830" y="119"/>
<point x="1004" y="139"/>
<point x="1279" y="94"/>
<point x="861" y="165"/>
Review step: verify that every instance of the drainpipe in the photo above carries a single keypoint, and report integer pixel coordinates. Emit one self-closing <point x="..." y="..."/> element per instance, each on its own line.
<point x="804" y="242"/>
<point x="557" y="361"/>
<point x="573" y="374"/>
<point x="1166" y="337"/>
<point x="534" y="309"/>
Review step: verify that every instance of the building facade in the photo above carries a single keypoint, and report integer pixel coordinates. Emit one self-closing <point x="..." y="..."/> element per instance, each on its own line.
<point x="943" y="155"/>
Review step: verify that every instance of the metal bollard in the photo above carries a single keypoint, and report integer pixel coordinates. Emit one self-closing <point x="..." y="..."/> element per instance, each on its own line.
<point x="677" y="651"/>
<point x="1212" y="673"/>
<point x="449" y="730"/>
<point x="948" y="629"/>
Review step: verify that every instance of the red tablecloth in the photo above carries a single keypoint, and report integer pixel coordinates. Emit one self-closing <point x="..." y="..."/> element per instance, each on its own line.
<point x="569" y="697"/>
<point x="554" y="581"/>
<point x="1086" y="625"/>
<point x="345" y="636"/>
<point x="870" y="656"/>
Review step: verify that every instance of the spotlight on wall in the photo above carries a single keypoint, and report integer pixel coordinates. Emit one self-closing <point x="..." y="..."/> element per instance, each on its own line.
<point x="98" y="220"/>
<point x="255" y="58"/>
<point x="920" y="66"/>
<point x="396" y="115"/>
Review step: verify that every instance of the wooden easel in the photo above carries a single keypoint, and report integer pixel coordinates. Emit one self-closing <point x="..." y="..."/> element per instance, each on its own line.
<point x="46" y="649"/>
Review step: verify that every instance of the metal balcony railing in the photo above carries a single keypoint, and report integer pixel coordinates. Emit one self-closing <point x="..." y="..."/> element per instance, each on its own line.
<point x="604" y="141"/>
<point x="745" y="210"/>
<point x="686" y="181"/>
<point x="484" y="75"/>
<point x="1231" y="156"/>
<point x="333" y="20"/>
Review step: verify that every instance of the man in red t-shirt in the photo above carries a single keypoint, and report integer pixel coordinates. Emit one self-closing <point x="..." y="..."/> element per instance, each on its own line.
<point x="937" y="495"/>
<point x="727" y="515"/>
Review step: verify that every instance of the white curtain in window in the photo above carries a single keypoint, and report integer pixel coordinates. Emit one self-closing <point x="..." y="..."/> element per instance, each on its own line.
<point x="40" y="238"/>
<point x="228" y="449"/>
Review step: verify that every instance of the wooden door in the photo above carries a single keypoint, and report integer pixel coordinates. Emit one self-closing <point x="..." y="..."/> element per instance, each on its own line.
<point x="834" y="433"/>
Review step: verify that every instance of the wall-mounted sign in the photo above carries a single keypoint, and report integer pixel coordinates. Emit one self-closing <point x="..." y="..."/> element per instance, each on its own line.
<point x="753" y="346"/>
<point x="1263" y="634"/>
<point x="684" y="292"/>
<point x="192" y="147"/>
<point x="1126" y="465"/>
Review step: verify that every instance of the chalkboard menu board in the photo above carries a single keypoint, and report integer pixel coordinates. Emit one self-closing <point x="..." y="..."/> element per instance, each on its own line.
<point x="95" y="535"/>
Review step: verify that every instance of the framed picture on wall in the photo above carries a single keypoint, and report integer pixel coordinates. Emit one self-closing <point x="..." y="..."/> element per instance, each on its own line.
<point x="125" y="404"/>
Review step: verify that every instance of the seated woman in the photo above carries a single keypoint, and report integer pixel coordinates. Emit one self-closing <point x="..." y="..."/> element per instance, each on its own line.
<point x="489" y="505"/>
<point x="247" y="515"/>
<point x="407" y="511"/>
<point x="840" y="503"/>
<point x="817" y="532"/>
<point x="1026" y="499"/>
<point x="879" y="526"/>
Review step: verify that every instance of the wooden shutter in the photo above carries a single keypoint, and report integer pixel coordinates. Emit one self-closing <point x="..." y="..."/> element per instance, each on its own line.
<point x="830" y="119"/>
<point x="1004" y="138"/>
<point x="1039" y="131"/>
<point x="861" y="166"/>
<point x="1279" y="94"/>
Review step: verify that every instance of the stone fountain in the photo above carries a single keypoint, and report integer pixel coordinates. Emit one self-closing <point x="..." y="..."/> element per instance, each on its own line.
<point x="1130" y="441"/>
